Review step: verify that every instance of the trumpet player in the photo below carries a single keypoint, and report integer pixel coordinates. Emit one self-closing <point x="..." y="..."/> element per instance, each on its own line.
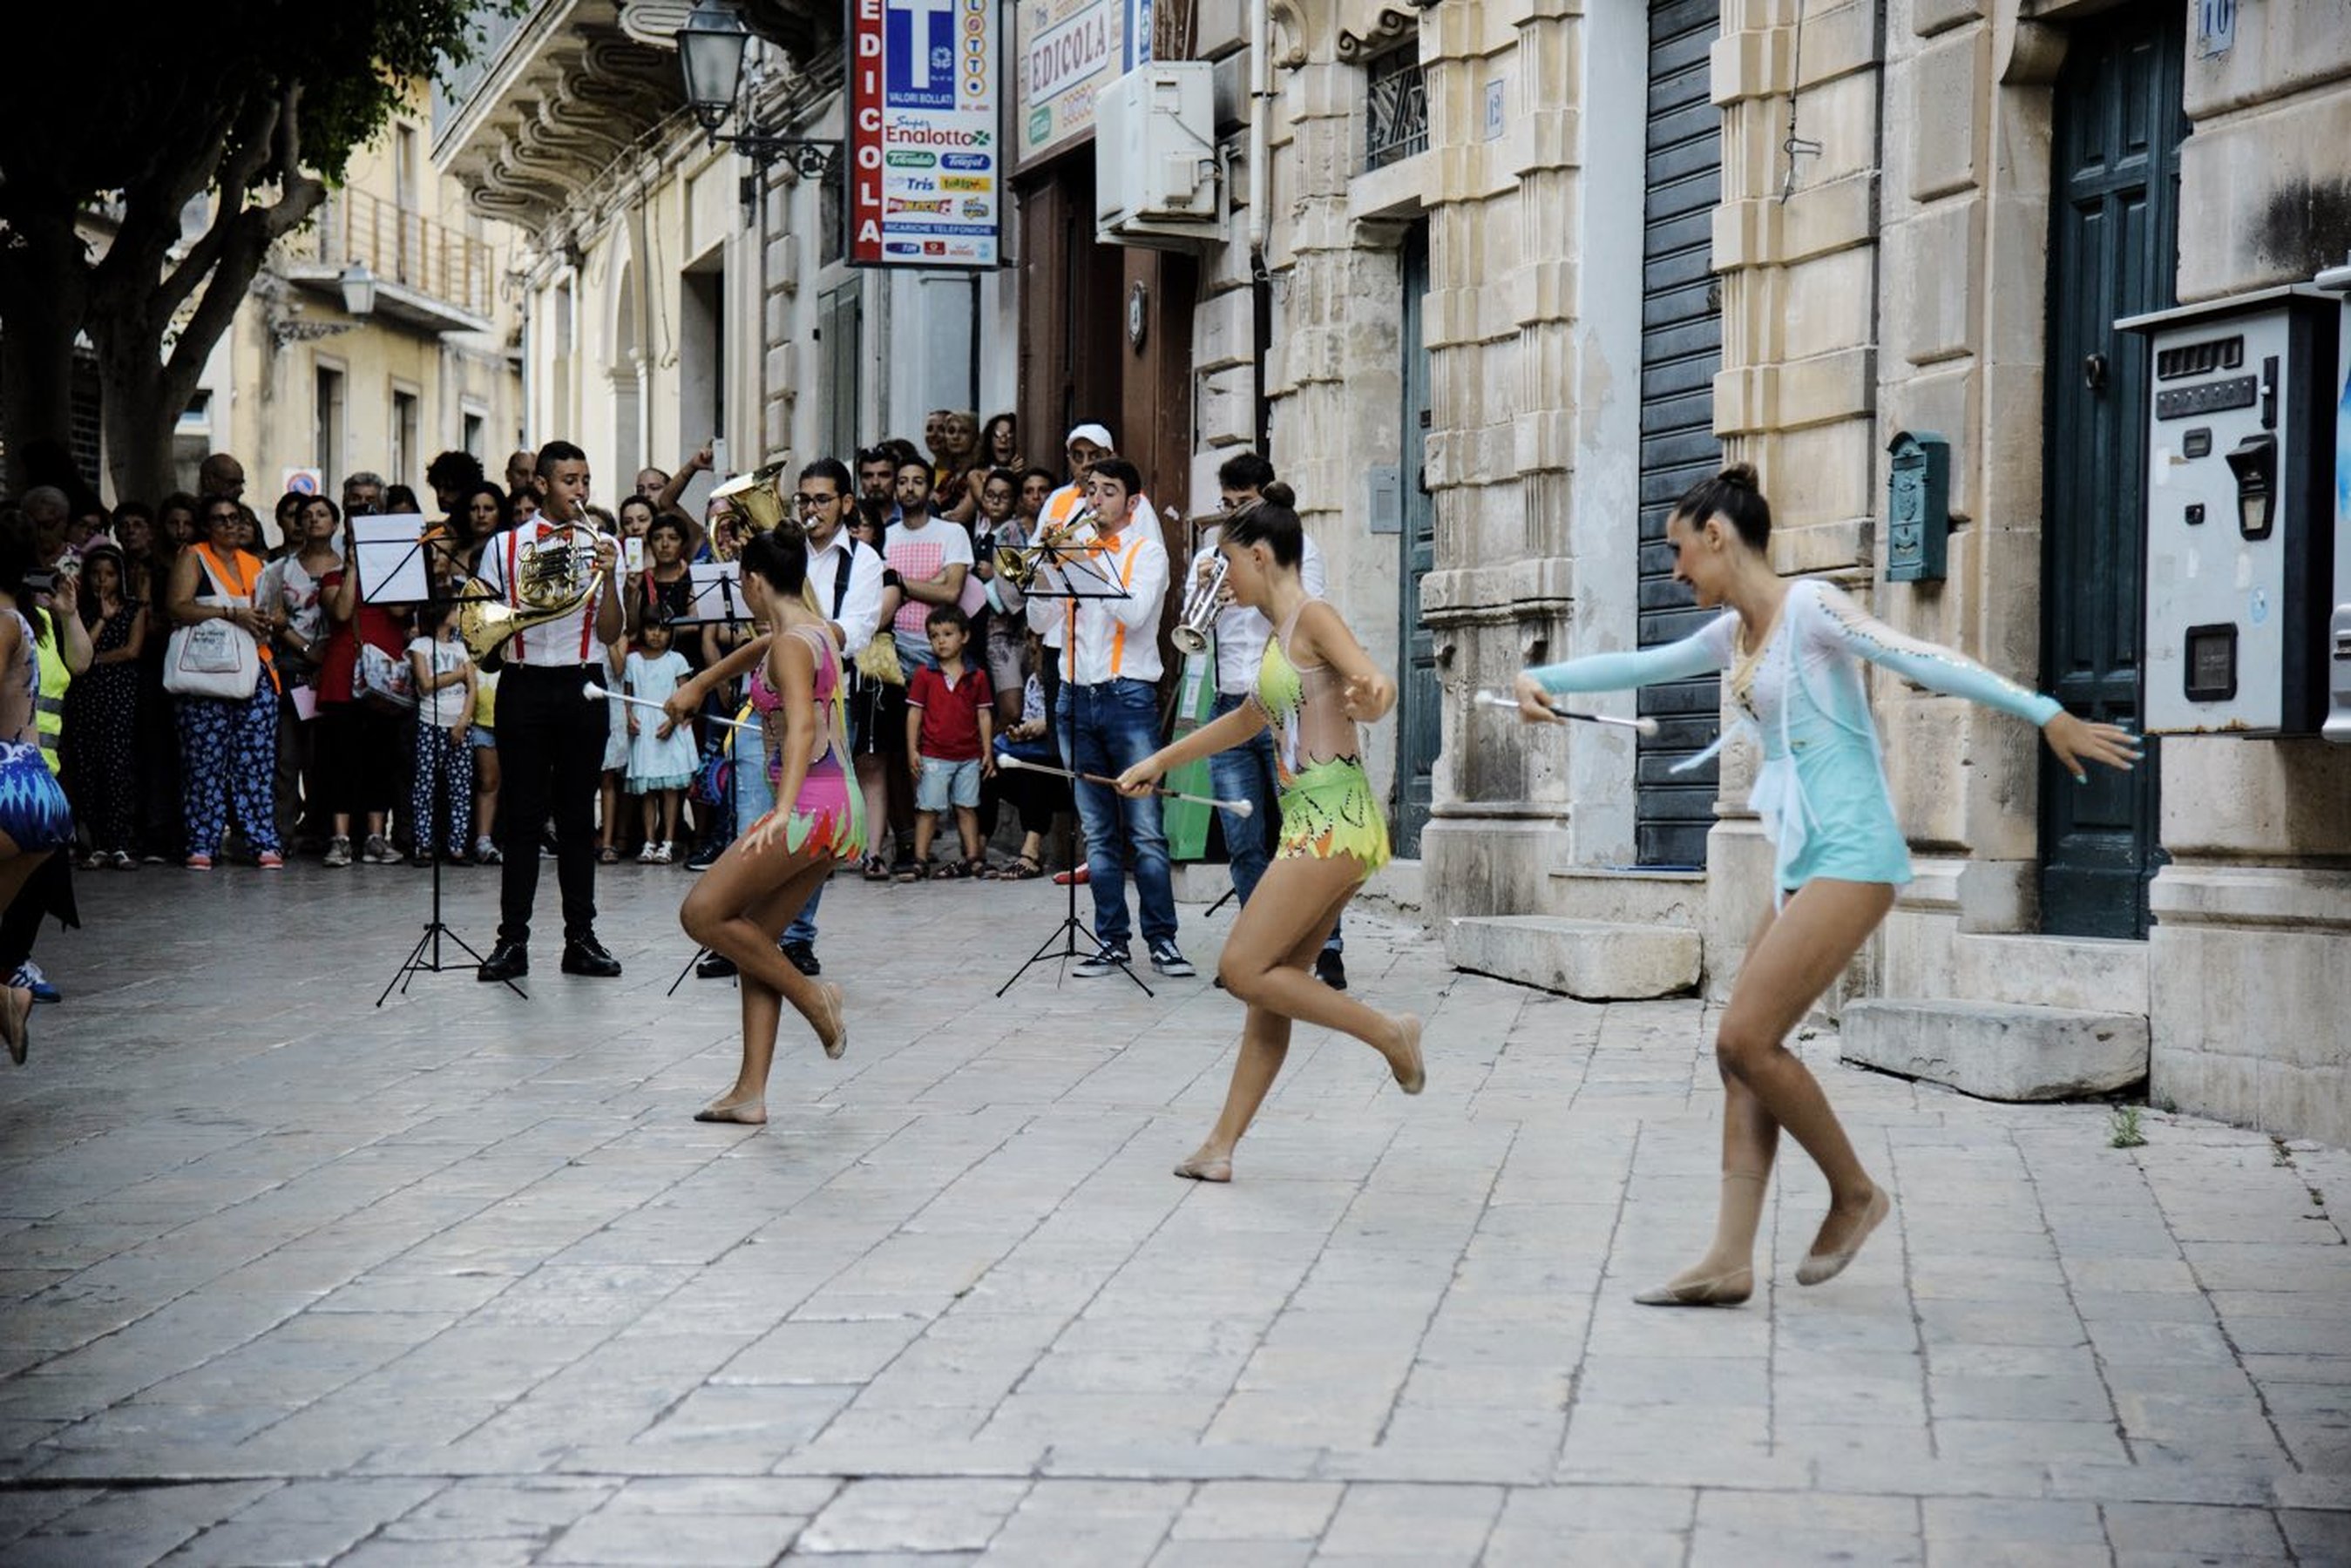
<point x="1058" y="518"/>
<point x="1108" y="710"/>
<point x="1246" y="771"/>
<point x="550" y="736"/>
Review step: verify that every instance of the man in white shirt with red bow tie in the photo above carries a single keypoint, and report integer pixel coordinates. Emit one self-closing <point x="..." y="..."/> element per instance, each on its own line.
<point x="550" y="732"/>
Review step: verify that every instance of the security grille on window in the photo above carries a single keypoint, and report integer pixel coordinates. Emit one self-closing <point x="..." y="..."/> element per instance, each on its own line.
<point x="1396" y="108"/>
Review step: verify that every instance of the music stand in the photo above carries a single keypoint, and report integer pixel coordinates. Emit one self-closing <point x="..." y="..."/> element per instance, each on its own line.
<point x="1072" y="927"/>
<point x="388" y="561"/>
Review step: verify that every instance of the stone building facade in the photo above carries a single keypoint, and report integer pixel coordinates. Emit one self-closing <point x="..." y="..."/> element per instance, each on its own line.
<point x="1934" y="234"/>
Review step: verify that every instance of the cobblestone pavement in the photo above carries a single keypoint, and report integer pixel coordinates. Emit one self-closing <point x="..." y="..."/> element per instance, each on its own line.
<point x="289" y="1279"/>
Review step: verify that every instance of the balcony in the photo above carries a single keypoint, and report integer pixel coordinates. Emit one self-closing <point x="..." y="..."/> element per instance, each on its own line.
<point x="1396" y="108"/>
<point x="428" y="276"/>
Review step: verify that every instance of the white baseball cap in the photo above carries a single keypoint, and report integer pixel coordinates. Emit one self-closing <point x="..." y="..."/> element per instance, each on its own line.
<point x="1098" y="434"/>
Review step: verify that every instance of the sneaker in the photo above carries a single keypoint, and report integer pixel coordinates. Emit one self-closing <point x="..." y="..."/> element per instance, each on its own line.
<point x="122" y="861"/>
<point x="338" y="851"/>
<point x="1109" y="959"/>
<point x="29" y="975"/>
<point x="803" y="958"/>
<point x="1331" y="970"/>
<point x="1167" y="961"/>
<point x="96" y="860"/>
<point x="487" y="853"/>
<point x="270" y="860"/>
<point x="1077" y="873"/>
<point x="379" y="852"/>
<point x="704" y="858"/>
<point x="199" y="863"/>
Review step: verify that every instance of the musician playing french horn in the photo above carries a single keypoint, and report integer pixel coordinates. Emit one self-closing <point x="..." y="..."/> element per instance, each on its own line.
<point x="1246" y="771"/>
<point x="557" y="573"/>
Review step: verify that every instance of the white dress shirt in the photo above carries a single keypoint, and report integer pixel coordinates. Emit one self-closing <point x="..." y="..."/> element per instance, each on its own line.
<point x="1049" y="617"/>
<point x="860" y="606"/>
<point x="565" y="641"/>
<point x="1113" y="636"/>
<point x="1242" y="632"/>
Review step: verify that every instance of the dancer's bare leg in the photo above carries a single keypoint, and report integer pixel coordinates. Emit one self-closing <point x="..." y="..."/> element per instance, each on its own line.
<point x="1301" y="909"/>
<point x="1799" y="955"/>
<point x="1297" y="896"/>
<point x="737" y="908"/>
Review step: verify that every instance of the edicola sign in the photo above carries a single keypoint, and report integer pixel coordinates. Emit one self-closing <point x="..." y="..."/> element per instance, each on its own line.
<point x="925" y="164"/>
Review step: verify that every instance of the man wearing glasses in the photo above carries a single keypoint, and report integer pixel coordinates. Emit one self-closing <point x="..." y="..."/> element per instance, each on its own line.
<point x="846" y="579"/>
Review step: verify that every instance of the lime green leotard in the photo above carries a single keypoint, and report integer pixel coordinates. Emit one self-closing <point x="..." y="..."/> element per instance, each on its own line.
<point x="1326" y="802"/>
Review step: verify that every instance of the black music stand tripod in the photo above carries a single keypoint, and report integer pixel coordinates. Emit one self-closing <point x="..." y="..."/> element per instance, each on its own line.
<point x="425" y="956"/>
<point x="1062" y="944"/>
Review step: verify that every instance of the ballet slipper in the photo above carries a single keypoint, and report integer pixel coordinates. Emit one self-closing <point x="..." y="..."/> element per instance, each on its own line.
<point x="832" y="1028"/>
<point x="16" y="1021"/>
<point x="1819" y="1267"/>
<point x="1413" y="1075"/>
<point x="1205" y="1166"/>
<point x="1727" y="1289"/>
<point x="750" y="1113"/>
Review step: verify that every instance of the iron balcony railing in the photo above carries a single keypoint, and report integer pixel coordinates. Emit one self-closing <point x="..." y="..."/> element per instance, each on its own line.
<point x="1396" y="108"/>
<point x="401" y="246"/>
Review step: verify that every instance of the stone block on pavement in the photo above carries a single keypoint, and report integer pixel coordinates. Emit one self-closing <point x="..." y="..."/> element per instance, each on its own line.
<point x="1997" y="1052"/>
<point x="1593" y="959"/>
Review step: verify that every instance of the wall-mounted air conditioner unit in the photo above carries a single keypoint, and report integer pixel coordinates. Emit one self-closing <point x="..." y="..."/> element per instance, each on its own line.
<point x="1157" y="179"/>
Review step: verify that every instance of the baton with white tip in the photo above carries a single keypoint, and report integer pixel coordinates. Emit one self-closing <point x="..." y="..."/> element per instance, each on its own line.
<point x="1643" y="725"/>
<point x="1237" y="807"/>
<point x="592" y="690"/>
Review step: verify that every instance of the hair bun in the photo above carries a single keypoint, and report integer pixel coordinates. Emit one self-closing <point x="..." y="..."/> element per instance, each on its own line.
<point x="1280" y="494"/>
<point x="1742" y="475"/>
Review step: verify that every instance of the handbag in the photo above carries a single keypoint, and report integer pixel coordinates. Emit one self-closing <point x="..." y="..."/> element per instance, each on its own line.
<point x="213" y="657"/>
<point x="879" y="660"/>
<point x="380" y="680"/>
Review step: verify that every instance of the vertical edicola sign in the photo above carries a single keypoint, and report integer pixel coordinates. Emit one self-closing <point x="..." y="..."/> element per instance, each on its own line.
<point x="2336" y="281"/>
<point x="2239" y="528"/>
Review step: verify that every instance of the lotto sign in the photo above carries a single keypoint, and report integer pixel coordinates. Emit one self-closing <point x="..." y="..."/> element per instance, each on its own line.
<point x="924" y="159"/>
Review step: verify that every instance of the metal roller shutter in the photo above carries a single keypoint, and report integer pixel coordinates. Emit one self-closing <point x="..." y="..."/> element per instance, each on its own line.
<point x="1681" y="349"/>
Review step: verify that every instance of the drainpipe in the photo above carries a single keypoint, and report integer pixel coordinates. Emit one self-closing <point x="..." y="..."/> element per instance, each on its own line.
<point x="1260" y="219"/>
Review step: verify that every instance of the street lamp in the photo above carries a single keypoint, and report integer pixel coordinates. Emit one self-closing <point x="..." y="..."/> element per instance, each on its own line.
<point x="710" y="49"/>
<point x="359" y="289"/>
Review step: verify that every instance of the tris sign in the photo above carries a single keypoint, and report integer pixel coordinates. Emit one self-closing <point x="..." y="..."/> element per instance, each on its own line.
<point x="925" y="179"/>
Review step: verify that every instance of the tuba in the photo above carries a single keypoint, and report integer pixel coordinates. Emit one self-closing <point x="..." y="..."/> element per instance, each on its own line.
<point x="758" y="496"/>
<point x="554" y="583"/>
<point x="1201" y="606"/>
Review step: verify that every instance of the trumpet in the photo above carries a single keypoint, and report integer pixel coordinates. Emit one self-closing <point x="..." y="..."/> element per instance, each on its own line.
<point x="1018" y="563"/>
<point x="1201" y="606"/>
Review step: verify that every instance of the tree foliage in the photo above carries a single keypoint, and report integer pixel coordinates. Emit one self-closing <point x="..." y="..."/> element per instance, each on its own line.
<point x="126" y="113"/>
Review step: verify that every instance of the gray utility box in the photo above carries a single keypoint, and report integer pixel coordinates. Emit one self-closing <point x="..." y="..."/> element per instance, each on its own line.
<point x="2336" y="281"/>
<point x="2240" y="528"/>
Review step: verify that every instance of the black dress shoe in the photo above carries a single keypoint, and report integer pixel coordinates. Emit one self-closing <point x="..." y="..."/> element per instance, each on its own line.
<point x="1329" y="970"/>
<point x="507" y="961"/>
<point x="803" y="958"/>
<point x="585" y="955"/>
<point x="714" y="966"/>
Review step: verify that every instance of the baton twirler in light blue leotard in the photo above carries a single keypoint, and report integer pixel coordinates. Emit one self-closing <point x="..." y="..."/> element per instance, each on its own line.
<point x="1822" y="792"/>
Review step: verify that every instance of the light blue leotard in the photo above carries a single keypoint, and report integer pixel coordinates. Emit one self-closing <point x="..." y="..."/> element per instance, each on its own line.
<point x="1821" y="791"/>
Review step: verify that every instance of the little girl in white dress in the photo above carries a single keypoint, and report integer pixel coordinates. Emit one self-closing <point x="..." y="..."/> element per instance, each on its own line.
<point x="660" y="767"/>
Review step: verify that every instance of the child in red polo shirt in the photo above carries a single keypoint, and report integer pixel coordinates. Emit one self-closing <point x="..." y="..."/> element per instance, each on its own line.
<point x="948" y="718"/>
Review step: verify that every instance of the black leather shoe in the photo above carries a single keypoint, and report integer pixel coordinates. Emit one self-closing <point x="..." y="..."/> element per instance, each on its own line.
<point x="585" y="955"/>
<point x="507" y="961"/>
<point x="803" y="958"/>
<point x="713" y="965"/>
<point x="1329" y="970"/>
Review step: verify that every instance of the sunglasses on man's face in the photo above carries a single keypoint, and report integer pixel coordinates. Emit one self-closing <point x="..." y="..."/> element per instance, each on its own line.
<point x="810" y="502"/>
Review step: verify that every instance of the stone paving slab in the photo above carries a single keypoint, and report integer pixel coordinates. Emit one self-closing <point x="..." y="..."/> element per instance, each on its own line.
<point x="289" y="1279"/>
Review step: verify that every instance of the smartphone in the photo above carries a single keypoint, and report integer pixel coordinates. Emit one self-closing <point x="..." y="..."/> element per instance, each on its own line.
<point x="718" y="457"/>
<point x="40" y="582"/>
<point x="633" y="554"/>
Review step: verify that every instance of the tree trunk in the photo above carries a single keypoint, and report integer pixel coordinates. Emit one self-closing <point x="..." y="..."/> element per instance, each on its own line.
<point x="140" y="415"/>
<point x="41" y="301"/>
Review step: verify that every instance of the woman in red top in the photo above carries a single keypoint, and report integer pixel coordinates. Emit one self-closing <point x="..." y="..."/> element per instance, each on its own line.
<point x="359" y="761"/>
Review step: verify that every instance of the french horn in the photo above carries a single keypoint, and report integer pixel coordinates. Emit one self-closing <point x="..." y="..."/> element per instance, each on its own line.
<point x="552" y="583"/>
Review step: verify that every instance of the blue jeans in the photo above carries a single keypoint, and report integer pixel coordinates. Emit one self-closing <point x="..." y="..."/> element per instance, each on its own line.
<point x="1116" y="726"/>
<point x="754" y="799"/>
<point x="1247" y="773"/>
